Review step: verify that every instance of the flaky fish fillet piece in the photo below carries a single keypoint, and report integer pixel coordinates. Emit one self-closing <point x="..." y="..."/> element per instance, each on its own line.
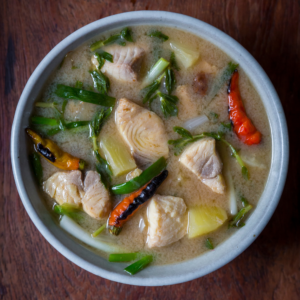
<point x="204" y="161"/>
<point x="143" y="131"/>
<point x="65" y="187"/>
<point x="167" y="220"/>
<point x="126" y="62"/>
<point x="96" y="201"/>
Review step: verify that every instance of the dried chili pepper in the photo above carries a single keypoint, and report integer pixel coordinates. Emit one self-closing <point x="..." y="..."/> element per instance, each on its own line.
<point x="132" y="203"/>
<point x="49" y="150"/>
<point x="242" y="125"/>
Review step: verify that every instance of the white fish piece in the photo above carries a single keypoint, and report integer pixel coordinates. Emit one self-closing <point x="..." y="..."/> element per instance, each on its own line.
<point x="65" y="187"/>
<point x="96" y="201"/>
<point x="203" y="160"/>
<point x="126" y="62"/>
<point x="187" y="107"/>
<point x="205" y="67"/>
<point x="143" y="131"/>
<point x="167" y="220"/>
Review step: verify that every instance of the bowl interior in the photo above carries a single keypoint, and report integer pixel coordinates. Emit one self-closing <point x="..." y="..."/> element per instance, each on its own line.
<point x="156" y="275"/>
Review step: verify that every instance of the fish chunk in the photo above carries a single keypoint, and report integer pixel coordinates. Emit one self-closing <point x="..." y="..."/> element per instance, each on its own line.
<point x="95" y="202"/>
<point x="126" y="62"/>
<point x="167" y="220"/>
<point x="203" y="160"/>
<point x="65" y="187"/>
<point x="187" y="107"/>
<point x="143" y="131"/>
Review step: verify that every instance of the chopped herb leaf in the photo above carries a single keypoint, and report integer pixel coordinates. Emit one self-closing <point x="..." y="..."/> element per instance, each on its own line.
<point x="170" y="80"/>
<point x="173" y="62"/>
<point x="168" y="104"/>
<point x="69" y="210"/>
<point x="236" y="221"/>
<point x="225" y="127"/>
<point x="209" y="244"/>
<point x="101" y="82"/>
<point x="78" y="84"/>
<point x="68" y="92"/>
<point x="37" y="167"/>
<point x="125" y="35"/>
<point x="183" y="132"/>
<point x="158" y="34"/>
<point x="101" y="57"/>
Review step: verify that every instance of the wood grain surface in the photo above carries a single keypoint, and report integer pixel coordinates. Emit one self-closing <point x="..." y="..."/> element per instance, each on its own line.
<point x="31" y="269"/>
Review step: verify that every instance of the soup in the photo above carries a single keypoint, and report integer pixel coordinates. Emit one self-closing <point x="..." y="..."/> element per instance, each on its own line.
<point x="150" y="142"/>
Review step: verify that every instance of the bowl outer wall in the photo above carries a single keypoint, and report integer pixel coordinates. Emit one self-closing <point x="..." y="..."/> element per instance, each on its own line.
<point x="153" y="275"/>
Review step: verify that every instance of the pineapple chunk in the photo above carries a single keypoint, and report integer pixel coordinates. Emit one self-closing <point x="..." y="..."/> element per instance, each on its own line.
<point x="117" y="155"/>
<point x="204" y="219"/>
<point x="185" y="55"/>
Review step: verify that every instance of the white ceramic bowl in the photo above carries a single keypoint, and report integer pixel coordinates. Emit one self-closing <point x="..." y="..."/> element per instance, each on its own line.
<point x="153" y="275"/>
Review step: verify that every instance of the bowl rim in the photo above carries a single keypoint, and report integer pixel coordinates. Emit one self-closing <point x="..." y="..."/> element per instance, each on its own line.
<point x="168" y="274"/>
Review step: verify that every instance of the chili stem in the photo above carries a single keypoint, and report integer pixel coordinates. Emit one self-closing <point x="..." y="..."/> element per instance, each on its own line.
<point x="99" y="230"/>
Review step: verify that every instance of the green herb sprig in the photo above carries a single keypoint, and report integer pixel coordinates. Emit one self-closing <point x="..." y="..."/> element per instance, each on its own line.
<point x="121" y="39"/>
<point x="159" y="35"/>
<point x="237" y="219"/>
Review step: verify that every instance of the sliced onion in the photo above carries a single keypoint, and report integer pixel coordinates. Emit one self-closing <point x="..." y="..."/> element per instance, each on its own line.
<point x="195" y="122"/>
<point x="142" y="224"/>
<point x="252" y="162"/>
<point x="78" y="232"/>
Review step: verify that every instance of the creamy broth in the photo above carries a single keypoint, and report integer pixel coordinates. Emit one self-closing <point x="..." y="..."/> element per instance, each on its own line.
<point x="180" y="182"/>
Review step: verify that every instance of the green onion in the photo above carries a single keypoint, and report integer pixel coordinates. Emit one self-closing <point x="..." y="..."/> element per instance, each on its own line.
<point x="139" y="265"/>
<point x="37" y="167"/>
<point x="125" y="35"/>
<point x="46" y="104"/>
<point x="99" y="230"/>
<point x="36" y="120"/>
<point x="236" y="221"/>
<point x="226" y="127"/>
<point x="139" y="181"/>
<point x="155" y="71"/>
<point x="122" y="257"/>
<point x="68" y="92"/>
<point x="101" y="57"/>
<point x="69" y="210"/>
<point x="158" y="34"/>
<point x="209" y="244"/>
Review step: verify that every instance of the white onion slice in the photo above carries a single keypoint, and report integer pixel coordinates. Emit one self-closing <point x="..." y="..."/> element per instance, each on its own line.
<point x="252" y="162"/>
<point x="195" y="122"/>
<point x="232" y="195"/>
<point x="142" y="224"/>
<point x="78" y="232"/>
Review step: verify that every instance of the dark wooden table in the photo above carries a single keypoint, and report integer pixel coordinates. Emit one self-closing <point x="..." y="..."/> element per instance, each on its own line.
<point x="31" y="269"/>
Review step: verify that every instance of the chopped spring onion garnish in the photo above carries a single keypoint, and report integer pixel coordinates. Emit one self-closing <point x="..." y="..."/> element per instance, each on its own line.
<point x="36" y="120"/>
<point x="101" y="57"/>
<point x="67" y="209"/>
<point x="219" y="82"/>
<point x="139" y="265"/>
<point x="237" y="219"/>
<point x="79" y="233"/>
<point x="68" y="92"/>
<point x="158" y="34"/>
<point x="155" y="71"/>
<point x="139" y="181"/>
<point x="122" y="257"/>
<point x="231" y="192"/>
<point x="209" y="244"/>
<point x="170" y="80"/>
<point x="121" y="38"/>
<point x="179" y="144"/>
<point x="195" y="122"/>
<point x="37" y="167"/>
<point x="99" y="230"/>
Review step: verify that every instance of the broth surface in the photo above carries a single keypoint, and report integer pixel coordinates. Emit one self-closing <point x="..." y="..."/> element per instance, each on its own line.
<point x="181" y="182"/>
